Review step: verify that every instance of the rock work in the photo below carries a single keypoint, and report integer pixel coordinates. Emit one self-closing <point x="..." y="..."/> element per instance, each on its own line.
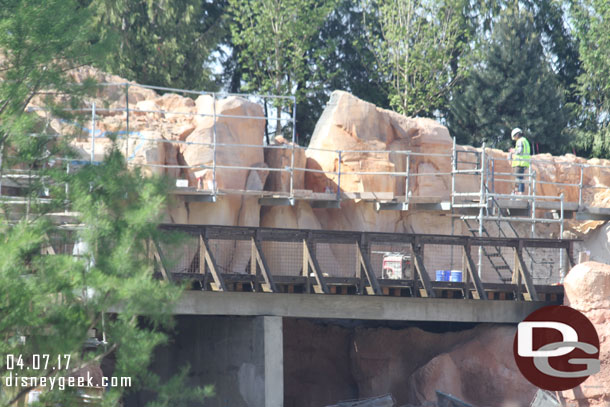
<point x="170" y="132"/>
<point x="475" y="365"/>
<point x="587" y="289"/>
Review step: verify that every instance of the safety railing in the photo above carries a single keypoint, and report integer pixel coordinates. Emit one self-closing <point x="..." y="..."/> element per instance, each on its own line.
<point x="403" y="165"/>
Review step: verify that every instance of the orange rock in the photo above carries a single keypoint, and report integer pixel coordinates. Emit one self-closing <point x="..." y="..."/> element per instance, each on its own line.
<point x="587" y="289"/>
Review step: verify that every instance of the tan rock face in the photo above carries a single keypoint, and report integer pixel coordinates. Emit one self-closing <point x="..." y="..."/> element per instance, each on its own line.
<point x="280" y="156"/>
<point x="353" y="125"/>
<point x="587" y="288"/>
<point x="246" y="132"/>
<point x="476" y="365"/>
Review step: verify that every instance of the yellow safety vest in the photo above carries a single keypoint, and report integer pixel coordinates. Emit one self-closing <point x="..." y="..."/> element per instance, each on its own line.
<point x="523" y="159"/>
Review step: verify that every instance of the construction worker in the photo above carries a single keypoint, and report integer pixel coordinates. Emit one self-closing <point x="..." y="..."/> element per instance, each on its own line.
<point x="521" y="156"/>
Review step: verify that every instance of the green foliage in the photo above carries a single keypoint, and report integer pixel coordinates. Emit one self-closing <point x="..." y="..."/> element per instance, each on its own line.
<point x="343" y="61"/>
<point x="591" y="20"/>
<point x="414" y="45"/>
<point x="35" y="52"/>
<point x="511" y="85"/>
<point x="163" y="43"/>
<point x="53" y="301"/>
<point x="275" y="42"/>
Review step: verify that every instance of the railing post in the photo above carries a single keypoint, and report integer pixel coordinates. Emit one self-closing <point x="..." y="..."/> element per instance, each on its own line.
<point x="482" y="199"/>
<point x="292" y="172"/>
<point x="529" y="175"/>
<point x="67" y="188"/>
<point x="562" y="270"/>
<point x="92" y="132"/>
<point x="493" y="175"/>
<point x="582" y="168"/>
<point x="407" y="181"/>
<point x="214" y="144"/>
<point x="294" y="141"/>
<point x="339" y="177"/>
<point x="533" y="180"/>
<point x="294" y="120"/>
<point x="453" y="170"/>
<point x="127" y="115"/>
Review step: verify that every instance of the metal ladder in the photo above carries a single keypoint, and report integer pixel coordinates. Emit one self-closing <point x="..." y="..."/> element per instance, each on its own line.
<point x="488" y="207"/>
<point x="500" y="264"/>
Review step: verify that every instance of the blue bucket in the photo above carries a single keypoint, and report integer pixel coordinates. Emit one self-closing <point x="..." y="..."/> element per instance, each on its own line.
<point x="443" y="275"/>
<point x="456" y="276"/>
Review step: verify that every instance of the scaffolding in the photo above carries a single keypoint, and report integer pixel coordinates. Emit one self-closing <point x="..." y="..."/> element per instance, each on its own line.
<point x="481" y="210"/>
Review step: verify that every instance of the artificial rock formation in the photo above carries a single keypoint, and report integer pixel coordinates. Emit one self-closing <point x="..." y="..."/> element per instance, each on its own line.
<point x="334" y="363"/>
<point x="587" y="289"/>
<point x="170" y="131"/>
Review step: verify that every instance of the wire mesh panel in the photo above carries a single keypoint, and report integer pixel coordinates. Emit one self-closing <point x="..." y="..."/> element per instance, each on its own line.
<point x="543" y="264"/>
<point x="62" y="241"/>
<point x="232" y="256"/>
<point x="182" y="256"/>
<point x="442" y="258"/>
<point x="336" y="260"/>
<point x="391" y="261"/>
<point x="497" y="263"/>
<point x="283" y="258"/>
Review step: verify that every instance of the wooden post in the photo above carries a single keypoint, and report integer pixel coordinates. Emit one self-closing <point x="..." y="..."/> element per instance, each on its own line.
<point x="158" y="255"/>
<point x="471" y="273"/>
<point x="364" y="264"/>
<point x="205" y="254"/>
<point x="524" y="273"/>
<point x="310" y="262"/>
<point x="421" y="271"/>
<point x="258" y="259"/>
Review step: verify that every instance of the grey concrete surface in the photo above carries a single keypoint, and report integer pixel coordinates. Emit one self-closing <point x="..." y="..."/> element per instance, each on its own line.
<point x="353" y="307"/>
<point x="242" y="357"/>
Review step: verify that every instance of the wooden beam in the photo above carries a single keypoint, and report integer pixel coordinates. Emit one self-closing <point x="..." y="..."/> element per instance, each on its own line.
<point x="310" y="262"/>
<point x="527" y="278"/>
<point x="365" y="264"/>
<point x="47" y="249"/>
<point x="569" y="252"/>
<point x="158" y="256"/>
<point x="205" y="255"/>
<point x="259" y="264"/>
<point x="471" y="274"/>
<point x="421" y="271"/>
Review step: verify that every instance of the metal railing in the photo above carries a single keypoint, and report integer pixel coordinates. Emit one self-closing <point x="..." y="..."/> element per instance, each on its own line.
<point x="340" y="175"/>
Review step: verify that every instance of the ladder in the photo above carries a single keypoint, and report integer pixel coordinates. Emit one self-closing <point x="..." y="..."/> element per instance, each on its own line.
<point x="489" y="209"/>
<point x="496" y="259"/>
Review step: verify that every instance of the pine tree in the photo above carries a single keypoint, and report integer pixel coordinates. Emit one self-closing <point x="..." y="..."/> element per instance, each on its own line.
<point x="49" y="304"/>
<point x="591" y="20"/>
<point x="415" y="45"/>
<point x="275" y="42"/>
<point x="511" y="85"/>
<point x="163" y="43"/>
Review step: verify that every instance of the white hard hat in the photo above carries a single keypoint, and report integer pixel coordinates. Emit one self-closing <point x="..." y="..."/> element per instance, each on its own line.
<point x="515" y="131"/>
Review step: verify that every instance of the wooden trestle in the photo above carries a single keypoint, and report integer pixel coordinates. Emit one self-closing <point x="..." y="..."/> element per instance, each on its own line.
<point x="364" y="282"/>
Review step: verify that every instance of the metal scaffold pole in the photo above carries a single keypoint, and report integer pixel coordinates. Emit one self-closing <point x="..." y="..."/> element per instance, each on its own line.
<point x="407" y="165"/>
<point x="562" y="270"/>
<point x="294" y="141"/>
<point x="214" y="144"/>
<point x="482" y="203"/>
<point x="127" y="114"/>
<point x="92" y="132"/>
<point x="453" y="170"/>
<point x="339" y="178"/>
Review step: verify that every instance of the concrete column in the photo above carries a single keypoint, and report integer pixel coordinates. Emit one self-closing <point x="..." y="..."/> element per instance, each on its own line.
<point x="274" y="361"/>
<point x="242" y="357"/>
